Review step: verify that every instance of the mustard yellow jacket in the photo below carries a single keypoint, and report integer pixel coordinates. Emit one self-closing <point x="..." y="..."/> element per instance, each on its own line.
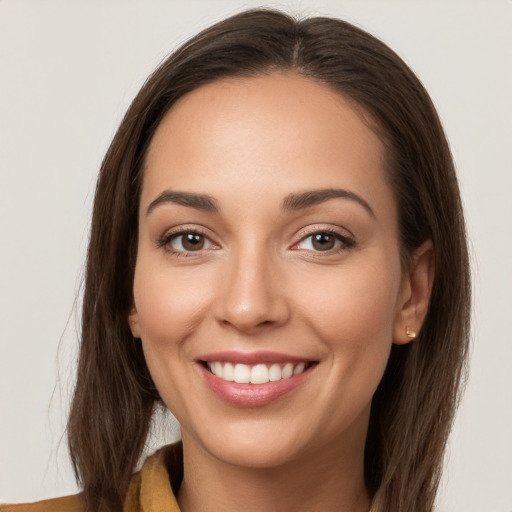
<point x="149" y="491"/>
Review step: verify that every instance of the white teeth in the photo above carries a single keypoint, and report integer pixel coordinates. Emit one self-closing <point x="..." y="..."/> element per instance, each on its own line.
<point x="228" y="373"/>
<point x="217" y="369"/>
<point x="299" y="369"/>
<point x="257" y="374"/>
<point x="242" y="374"/>
<point x="287" y="370"/>
<point x="275" y="373"/>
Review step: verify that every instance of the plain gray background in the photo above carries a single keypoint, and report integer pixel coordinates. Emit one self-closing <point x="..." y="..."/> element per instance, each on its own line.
<point x="68" y="71"/>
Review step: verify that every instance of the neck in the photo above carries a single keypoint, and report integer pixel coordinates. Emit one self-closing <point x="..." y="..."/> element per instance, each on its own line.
<point x="326" y="480"/>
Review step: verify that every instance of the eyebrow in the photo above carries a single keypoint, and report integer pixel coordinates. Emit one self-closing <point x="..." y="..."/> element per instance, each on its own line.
<point x="292" y="202"/>
<point x="199" y="201"/>
<point x="314" y="197"/>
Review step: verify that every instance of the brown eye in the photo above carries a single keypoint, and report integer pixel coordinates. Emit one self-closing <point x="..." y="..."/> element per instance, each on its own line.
<point x="189" y="242"/>
<point x="323" y="241"/>
<point x="193" y="242"/>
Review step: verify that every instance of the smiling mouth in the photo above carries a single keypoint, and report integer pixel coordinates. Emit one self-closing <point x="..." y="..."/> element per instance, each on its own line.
<point x="256" y="374"/>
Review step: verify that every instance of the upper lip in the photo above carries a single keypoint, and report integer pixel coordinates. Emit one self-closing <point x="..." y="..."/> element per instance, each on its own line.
<point x="251" y="358"/>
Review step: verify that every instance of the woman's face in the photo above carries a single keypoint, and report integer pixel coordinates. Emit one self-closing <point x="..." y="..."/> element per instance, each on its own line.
<point x="267" y="254"/>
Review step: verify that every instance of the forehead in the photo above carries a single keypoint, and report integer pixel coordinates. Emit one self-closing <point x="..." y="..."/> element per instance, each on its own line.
<point x="275" y="133"/>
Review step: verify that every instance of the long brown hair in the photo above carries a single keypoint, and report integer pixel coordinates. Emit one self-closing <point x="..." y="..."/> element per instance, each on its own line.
<point x="413" y="408"/>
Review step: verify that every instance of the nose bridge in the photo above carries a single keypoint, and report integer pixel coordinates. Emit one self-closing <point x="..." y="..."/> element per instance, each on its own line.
<point x="252" y="293"/>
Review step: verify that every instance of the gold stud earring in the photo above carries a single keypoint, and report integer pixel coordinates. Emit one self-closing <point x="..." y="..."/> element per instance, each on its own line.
<point x="410" y="334"/>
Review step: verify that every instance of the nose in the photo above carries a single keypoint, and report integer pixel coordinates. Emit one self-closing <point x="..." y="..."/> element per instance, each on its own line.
<point x="252" y="294"/>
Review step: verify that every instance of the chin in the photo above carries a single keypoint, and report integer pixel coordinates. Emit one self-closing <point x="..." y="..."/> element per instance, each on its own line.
<point x="255" y="445"/>
<point x="256" y="453"/>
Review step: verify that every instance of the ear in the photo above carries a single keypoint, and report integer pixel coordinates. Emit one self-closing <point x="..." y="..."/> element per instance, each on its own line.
<point x="133" y="322"/>
<point x="415" y="294"/>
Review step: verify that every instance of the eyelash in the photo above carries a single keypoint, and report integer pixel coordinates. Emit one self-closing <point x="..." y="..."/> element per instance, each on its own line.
<point x="345" y="241"/>
<point x="165" y="241"/>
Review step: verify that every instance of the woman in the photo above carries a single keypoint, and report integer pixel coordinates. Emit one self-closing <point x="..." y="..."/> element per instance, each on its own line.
<point x="278" y="255"/>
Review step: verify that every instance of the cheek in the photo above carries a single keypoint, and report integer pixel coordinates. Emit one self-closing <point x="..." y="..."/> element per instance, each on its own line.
<point x="169" y="304"/>
<point x="352" y="311"/>
<point x="352" y="314"/>
<point x="170" y="307"/>
<point x="353" y="301"/>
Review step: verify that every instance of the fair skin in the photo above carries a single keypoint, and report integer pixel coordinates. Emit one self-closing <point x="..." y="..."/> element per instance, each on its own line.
<point x="256" y="273"/>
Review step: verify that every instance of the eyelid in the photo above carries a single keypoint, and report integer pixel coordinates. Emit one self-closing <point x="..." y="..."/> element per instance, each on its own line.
<point x="169" y="235"/>
<point x="343" y="235"/>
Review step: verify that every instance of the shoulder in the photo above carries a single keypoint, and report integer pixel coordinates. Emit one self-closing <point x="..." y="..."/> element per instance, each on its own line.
<point x="152" y="488"/>
<point x="64" y="504"/>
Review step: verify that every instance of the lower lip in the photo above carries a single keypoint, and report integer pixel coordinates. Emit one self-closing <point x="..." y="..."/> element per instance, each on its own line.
<point x="252" y="395"/>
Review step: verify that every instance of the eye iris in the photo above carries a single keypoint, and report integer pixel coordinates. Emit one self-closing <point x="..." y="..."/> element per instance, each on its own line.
<point x="323" y="241"/>
<point x="192" y="242"/>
